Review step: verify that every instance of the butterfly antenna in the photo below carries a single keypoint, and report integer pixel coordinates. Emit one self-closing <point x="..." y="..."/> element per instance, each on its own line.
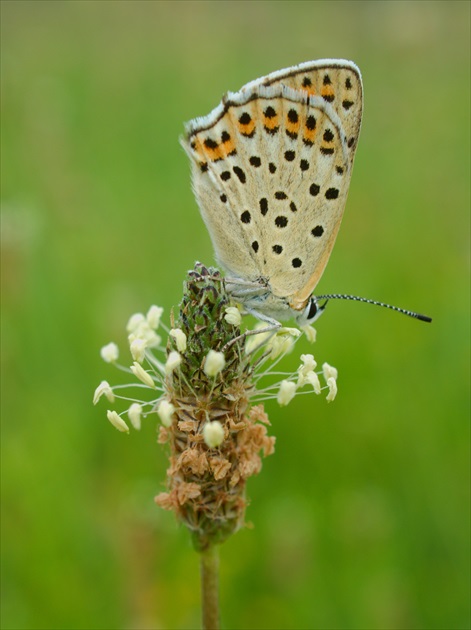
<point x="423" y="318"/>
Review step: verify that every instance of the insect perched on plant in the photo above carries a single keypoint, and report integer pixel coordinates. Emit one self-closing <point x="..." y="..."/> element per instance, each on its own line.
<point x="271" y="167"/>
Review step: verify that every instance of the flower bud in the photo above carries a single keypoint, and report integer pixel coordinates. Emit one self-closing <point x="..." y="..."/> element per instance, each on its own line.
<point x="214" y="363"/>
<point x="180" y="339"/>
<point x="213" y="434"/>
<point x="233" y="316"/>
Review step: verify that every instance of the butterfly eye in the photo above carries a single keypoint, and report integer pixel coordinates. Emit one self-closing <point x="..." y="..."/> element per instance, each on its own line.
<point x="312" y="308"/>
<point x="312" y="312"/>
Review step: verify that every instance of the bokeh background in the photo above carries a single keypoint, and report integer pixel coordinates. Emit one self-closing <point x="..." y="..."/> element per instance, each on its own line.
<point x="361" y="518"/>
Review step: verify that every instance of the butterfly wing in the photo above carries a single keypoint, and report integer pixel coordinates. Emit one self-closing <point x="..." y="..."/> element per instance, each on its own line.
<point x="271" y="167"/>
<point x="337" y="81"/>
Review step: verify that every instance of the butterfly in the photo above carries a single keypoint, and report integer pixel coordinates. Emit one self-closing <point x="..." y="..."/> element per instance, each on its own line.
<point x="271" y="168"/>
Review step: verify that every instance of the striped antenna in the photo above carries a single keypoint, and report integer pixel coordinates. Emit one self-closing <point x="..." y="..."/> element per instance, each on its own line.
<point x="423" y="318"/>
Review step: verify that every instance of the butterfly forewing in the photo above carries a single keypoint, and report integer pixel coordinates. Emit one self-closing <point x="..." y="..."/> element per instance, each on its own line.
<point x="271" y="168"/>
<point x="337" y="81"/>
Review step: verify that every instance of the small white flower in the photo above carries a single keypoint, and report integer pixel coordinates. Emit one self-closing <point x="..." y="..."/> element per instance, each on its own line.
<point x="213" y="433"/>
<point x="165" y="411"/>
<point x="173" y="361"/>
<point x="286" y="393"/>
<point x="110" y="353"/>
<point x="233" y="316"/>
<point x="329" y="372"/>
<point x="103" y="389"/>
<point x="117" y="421"/>
<point x="310" y="333"/>
<point x="138" y="349"/>
<point x="134" y="321"/>
<point x="214" y="363"/>
<point x="180" y="339"/>
<point x="332" y="384"/>
<point x="142" y="375"/>
<point x="153" y="316"/>
<point x="134" y="413"/>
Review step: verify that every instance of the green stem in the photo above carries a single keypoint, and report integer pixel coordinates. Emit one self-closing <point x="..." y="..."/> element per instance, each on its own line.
<point x="210" y="587"/>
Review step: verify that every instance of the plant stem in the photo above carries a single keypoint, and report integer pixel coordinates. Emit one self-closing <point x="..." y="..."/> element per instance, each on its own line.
<point x="210" y="587"/>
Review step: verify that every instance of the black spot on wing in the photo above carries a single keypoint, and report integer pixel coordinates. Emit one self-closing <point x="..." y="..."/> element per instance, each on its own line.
<point x="331" y="193"/>
<point x="240" y="174"/>
<point x="304" y="165"/>
<point x="281" y="221"/>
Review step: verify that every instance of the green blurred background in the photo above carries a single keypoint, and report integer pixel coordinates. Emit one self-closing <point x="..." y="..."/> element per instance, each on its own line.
<point x="361" y="518"/>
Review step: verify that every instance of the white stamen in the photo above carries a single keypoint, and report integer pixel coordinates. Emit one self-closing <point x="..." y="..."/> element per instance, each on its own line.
<point x="256" y="341"/>
<point x="329" y="372"/>
<point x="165" y="411"/>
<point x="153" y="316"/>
<point x="173" y="361"/>
<point x="138" y="349"/>
<point x="134" y="321"/>
<point x="280" y="344"/>
<point x="142" y="375"/>
<point x="310" y="333"/>
<point x="110" y="353"/>
<point x="286" y="393"/>
<point x="103" y="389"/>
<point x="332" y="384"/>
<point x="134" y="413"/>
<point x="117" y="421"/>
<point x="313" y="379"/>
